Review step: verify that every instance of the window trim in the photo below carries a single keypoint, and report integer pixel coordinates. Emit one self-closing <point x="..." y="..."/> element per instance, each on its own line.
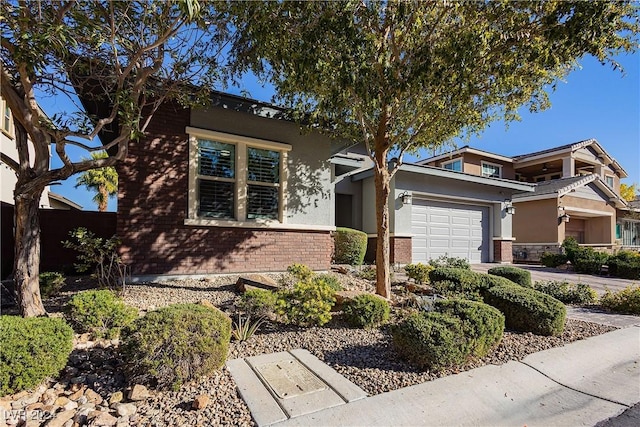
<point x="241" y="143"/>
<point x="613" y="181"/>
<point x="449" y="162"/>
<point x="483" y="163"/>
<point x="8" y="132"/>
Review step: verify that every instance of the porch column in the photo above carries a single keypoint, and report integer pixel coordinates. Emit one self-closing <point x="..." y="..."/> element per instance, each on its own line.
<point x="568" y="167"/>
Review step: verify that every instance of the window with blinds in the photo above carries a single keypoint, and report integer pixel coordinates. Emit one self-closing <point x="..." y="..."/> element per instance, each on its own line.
<point x="263" y="182"/>
<point x="216" y="179"/>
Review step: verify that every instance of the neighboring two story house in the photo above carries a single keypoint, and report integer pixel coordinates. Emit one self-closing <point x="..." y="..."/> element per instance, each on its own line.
<point x="577" y="194"/>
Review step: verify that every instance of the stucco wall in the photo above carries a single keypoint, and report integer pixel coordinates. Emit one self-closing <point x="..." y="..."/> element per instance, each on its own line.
<point x="537" y="222"/>
<point x="473" y="165"/>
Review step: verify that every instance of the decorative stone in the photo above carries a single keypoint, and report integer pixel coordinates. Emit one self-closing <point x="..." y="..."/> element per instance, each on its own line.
<point x="126" y="409"/>
<point x="34" y="406"/>
<point x="61" y="418"/>
<point x="206" y="303"/>
<point x="116" y="397"/>
<point x="138" y="392"/>
<point x="201" y="401"/>
<point x="70" y="405"/>
<point x="93" y="397"/>
<point x="49" y="397"/>
<point x="103" y="419"/>
<point x="256" y="281"/>
<point x="61" y="401"/>
<point x="82" y="400"/>
<point x="77" y="395"/>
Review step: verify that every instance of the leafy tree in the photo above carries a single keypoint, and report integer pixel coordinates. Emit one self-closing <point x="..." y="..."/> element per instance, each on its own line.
<point x="104" y="181"/>
<point x="629" y="192"/>
<point x="402" y="75"/>
<point x="122" y="57"/>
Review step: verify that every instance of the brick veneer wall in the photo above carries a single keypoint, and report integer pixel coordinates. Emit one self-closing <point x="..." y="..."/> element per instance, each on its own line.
<point x="503" y="251"/>
<point x="399" y="250"/>
<point x="152" y="207"/>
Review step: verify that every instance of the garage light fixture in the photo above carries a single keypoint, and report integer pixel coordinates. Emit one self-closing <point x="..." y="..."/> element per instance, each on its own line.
<point x="406" y="198"/>
<point x="565" y="217"/>
<point x="509" y="208"/>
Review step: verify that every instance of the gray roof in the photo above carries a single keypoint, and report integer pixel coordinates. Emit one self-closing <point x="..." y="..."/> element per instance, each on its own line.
<point x="549" y="150"/>
<point x="558" y="185"/>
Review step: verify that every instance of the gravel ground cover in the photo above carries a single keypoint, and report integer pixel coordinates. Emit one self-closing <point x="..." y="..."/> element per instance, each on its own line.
<point x="365" y="357"/>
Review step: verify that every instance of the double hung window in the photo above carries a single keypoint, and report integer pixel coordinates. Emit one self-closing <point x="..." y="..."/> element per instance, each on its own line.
<point x="491" y="170"/>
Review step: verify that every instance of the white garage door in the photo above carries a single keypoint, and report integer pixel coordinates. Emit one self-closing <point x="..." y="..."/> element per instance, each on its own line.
<point x="454" y="229"/>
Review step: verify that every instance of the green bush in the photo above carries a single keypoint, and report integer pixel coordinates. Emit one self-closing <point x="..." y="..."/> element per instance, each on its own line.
<point x="430" y="340"/>
<point x="308" y="303"/>
<point x="566" y="292"/>
<point x="31" y="349"/>
<point x="457" y="282"/>
<point x="549" y="259"/>
<point x="300" y="271"/>
<point x="570" y="246"/>
<point x="350" y="246"/>
<point x="624" y="301"/>
<point x="366" y="311"/>
<point x="449" y="262"/>
<point x="482" y="324"/>
<point x="330" y="280"/>
<point x="50" y="283"/>
<point x="527" y="310"/>
<point x="515" y="274"/>
<point x="589" y="261"/>
<point x="418" y="272"/>
<point x="176" y="344"/>
<point x="625" y="264"/>
<point x="101" y="313"/>
<point x="368" y="272"/>
<point x="258" y="303"/>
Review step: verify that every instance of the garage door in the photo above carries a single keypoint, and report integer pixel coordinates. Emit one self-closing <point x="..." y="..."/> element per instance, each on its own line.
<point x="454" y="229"/>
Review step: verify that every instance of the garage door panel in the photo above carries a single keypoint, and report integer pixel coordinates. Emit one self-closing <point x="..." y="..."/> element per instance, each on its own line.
<point x="454" y="229"/>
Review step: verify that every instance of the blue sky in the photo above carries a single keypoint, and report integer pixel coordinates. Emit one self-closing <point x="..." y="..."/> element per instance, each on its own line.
<point x="594" y="102"/>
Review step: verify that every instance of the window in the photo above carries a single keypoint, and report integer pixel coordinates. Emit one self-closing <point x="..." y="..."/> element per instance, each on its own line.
<point x="235" y="178"/>
<point x="609" y="180"/>
<point x="6" y="122"/>
<point x="491" y="170"/>
<point x="453" y="165"/>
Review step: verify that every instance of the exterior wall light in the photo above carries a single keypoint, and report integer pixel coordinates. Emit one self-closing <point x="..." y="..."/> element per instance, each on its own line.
<point x="406" y="198"/>
<point x="565" y="217"/>
<point x="510" y="209"/>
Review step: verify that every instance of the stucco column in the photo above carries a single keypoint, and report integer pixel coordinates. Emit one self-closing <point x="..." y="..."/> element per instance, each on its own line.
<point x="568" y="167"/>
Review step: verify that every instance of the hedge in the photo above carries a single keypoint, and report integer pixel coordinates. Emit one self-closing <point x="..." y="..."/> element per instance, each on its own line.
<point x="515" y="274"/>
<point x="350" y="246"/>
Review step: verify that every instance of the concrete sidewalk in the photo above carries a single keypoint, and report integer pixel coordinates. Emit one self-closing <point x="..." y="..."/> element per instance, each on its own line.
<point x="581" y="383"/>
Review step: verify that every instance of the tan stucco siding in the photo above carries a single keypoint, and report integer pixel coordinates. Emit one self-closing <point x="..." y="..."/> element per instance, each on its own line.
<point x="473" y="165"/>
<point x="599" y="229"/>
<point x="537" y="222"/>
<point x="594" y="205"/>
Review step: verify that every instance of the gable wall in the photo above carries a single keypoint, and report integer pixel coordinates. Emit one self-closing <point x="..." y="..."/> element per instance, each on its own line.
<point x="473" y="165"/>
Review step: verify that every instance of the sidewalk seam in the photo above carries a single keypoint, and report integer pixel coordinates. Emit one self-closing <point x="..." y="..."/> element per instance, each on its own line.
<point x="572" y="388"/>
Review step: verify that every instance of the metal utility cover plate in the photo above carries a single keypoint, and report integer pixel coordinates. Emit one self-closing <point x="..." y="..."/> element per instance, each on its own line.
<point x="289" y="378"/>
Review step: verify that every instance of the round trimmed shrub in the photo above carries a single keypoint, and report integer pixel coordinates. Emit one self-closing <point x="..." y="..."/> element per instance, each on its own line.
<point x="101" y="313"/>
<point x="32" y="349"/>
<point x="175" y="344"/>
<point x="624" y="301"/>
<point x="366" y="311"/>
<point x="549" y="259"/>
<point x="566" y="292"/>
<point x="308" y="303"/>
<point x="418" y="272"/>
<point x="50" y="283"/>
<point x="430" y="340"/>
<point x="516" y="275"/>
<point x="258" y="302"/>
<point x="350" y="246"/>
<point x="457" y="282"/>
<point x="482" y="324"/>
<point x="527" y="310"/>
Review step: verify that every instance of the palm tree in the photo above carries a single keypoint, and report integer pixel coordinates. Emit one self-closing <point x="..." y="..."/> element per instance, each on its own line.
<point x="103" y="180"/>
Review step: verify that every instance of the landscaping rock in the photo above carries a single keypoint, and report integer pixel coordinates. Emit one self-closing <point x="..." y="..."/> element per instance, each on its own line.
<point x="61" y="418"/>
<point x="103" y="419"/>
<point x="200" y="402"/>
<point x="256" y="281"/>
<point x="207" y="303"/>
<point x="116" y="397"/>
<point x="92" y="396"/>
<point x="138" y="392"/>
<point x="125" y="409"/>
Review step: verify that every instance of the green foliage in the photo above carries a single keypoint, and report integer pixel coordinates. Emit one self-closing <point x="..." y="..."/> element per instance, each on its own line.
<point x="482" y="324"/>
<point x="50" y="283"/>
<point x="31" y="349"/>
<point x="430" y="340"/>
<point x="445" y="261"/>
<point x="101" y="313"/>
<point x="527" y="310"/>
<point x="625" y="264"/>
<point x="589" y="261"/>
<point x="366" y="311"/>
<point x="176" y="344"/>
<point x="624" y="301"/>
<point x="566" y="292"/>
<point x="553" y="260"/>
<point x="418" y="272"/>
<point x="515" y="274"/>
<point x="98" y="254"/>
<point x="570" y="246"/>
<point x="457" y="282"/>
<point x="244" y="328"/>
<point x="308" y="303"/>
<point x="104" y="181"/>
<point x="350" y="246"/>
<point x="330" y="280"/>
<point x="300" y="272"/>
<point x="368" y="272"/>
<point x="258" y="303"/>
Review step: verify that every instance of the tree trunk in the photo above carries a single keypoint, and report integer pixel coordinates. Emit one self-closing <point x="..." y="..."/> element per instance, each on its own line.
<point x="27" y="254"/>
<point x="104" y="197"/>
<point x="383" y="276"/>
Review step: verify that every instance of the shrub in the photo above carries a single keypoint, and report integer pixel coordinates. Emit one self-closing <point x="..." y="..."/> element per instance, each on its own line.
<point x="482" y="324"/>
<point x="176" y="344"/>
<point x="258" y="302"/>
<point x="366" y="311"/>
<point x="589" y="261"/>
<point x="456" y="282"/>
<point x="527" y="310"/>
<point x="330" y="280"/>
<point x="50" y="283"/>
<point x="566" y="292"/>
<point x="570" y="246"/>
<point x="430" y="340"/>
<point x="350" y="246"/>
<point x="101" y="313"/>
<point x="99" y="255"/>
<point x="515" y="274"/>
<point x="308" y="303"/>
<point x="625" y="264"/>
<point x="244" y="328"/>
<point x="549" y="259"/>
<point x="31" y="349"/>
<point x="300" y="271"/>
<point x="418" y="272"/>
<point x="624" y="301"/>
<point x="368" y="272"/>
<point x="449" y="262"/>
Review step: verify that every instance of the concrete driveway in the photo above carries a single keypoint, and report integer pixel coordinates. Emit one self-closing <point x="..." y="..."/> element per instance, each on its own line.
<point x="598" y="283"/>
